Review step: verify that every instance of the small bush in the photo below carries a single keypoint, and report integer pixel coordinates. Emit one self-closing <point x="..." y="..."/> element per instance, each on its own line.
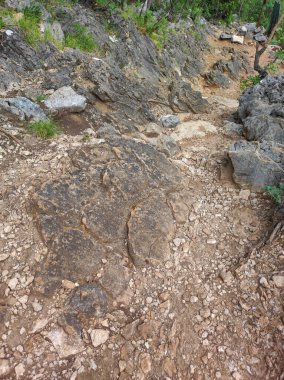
<point x="44" y="129"/>
<point x="249" y="82"/>
<point x="29" y="23"/>
<point x="2" y="23"/>
<point x="80" y="38"/>
<point x="279" y="54"/>
<point x="275" y="192"/>
<point x="40" y="98"/>
<point x="272" y="68"/>
<point x="147" y="23"/>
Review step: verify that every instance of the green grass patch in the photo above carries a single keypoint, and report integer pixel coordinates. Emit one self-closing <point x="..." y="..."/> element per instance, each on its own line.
<point x="275" y="192"/>
<point x="40" y="98"/>
<point x="147" y="23"/>
<point x="79" y="38"/>
<point x="249" y="82"/>
<point x="2" y="23"/>
<point x="29" y="23"/>
<point x="272" y="68"/>
<point x="44" y="129"/>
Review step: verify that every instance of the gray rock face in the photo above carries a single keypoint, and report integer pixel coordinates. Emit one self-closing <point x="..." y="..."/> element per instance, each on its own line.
<point x="257" y="164"/>
<point x="22" y="108"/>
<point x="183" y="98"/>
<point x="261" y="161"/>
<point x="224" y="70"/>
<point x="57" y="80"/>
<point x="169" y="121"/>
<point x="215" y="77"/>
<point x="66" y="99"/>
<point x="112" y="206"/>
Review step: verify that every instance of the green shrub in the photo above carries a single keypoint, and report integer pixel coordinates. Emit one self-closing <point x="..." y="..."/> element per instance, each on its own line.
<point x="275" y="192"/>
<point x="40" y="98"/>
<point x="279" y="54"/>
<point x="44" y="128"/>
<point x="249" y="82"/>
<point x="147" y="23"/>
<point x="29" y="23"/>
<point x="79" y="38"/>
<point x="272" y="68"/>
<point x="2" y="23"/>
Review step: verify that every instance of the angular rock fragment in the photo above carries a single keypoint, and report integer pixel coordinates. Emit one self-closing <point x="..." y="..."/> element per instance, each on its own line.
<point x="257" y="164"/>
<point x="169" y="121"/>
<point x="66" y="99"/>
<point x="99" y="336"/>
<point x="65" y="345"/>
<point x="237" y="39"/>
<point x="183" y="98"/>
<point x="22" y="108"/>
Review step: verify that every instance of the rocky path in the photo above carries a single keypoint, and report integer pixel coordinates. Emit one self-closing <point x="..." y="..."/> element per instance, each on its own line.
<point x="130" y="257"/>
<point x="206" y="306"/>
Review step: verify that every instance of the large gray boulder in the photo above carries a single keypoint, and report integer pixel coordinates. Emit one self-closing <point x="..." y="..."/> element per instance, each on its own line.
<point x="260" y="162"/>
<point x="22" y="108"/>
<point x="257" y="164"/>
<point x="66" y="99"/>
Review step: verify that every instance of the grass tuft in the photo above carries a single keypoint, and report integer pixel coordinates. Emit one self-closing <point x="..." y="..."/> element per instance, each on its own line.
<point x="29" y="23"/>
<point x="79" y="38"/>
<point x="275" y="192"/>
<point x="44" y="129"/>
<point x="249" y="82"/>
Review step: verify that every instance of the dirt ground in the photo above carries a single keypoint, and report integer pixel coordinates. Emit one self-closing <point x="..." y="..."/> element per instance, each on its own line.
<point x="213" y="310"/>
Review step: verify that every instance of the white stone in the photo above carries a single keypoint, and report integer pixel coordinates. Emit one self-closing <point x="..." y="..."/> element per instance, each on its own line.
<point x="5" y="368"/>
<point x="65" y="345"/>
<point x="66" y="99"/>
<point x="20" y="370"/>
<point x="24" y="299"/>
<point x="37" y="306"/>
<point x="149" y="300"/>
<point x="13" y="283"/>
<point x="9" y="32"/>
<point x="211" y="241"/>
<point x="238" y="39"/>
<point x="193" y="299"/>
<point x="99" y="336"/>
<point x="263" y="282"/>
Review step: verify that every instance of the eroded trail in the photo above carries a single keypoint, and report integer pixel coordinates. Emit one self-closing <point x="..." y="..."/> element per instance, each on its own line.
<point x="120" y="262"/>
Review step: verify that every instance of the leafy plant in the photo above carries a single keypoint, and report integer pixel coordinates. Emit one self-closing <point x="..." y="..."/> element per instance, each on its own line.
<point x="40" y="98"/>
<point x="147" y="23"/>
<point x="44" y="128"/>
<point x="29" y="23"/>
<point x="249" y="82"/>
<point x="279" y="54"/>
<point x="79" y="37"/>
<point x="2" y="23"/>
<point x="272" y="68"/>
<point x="275" y="192"/>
